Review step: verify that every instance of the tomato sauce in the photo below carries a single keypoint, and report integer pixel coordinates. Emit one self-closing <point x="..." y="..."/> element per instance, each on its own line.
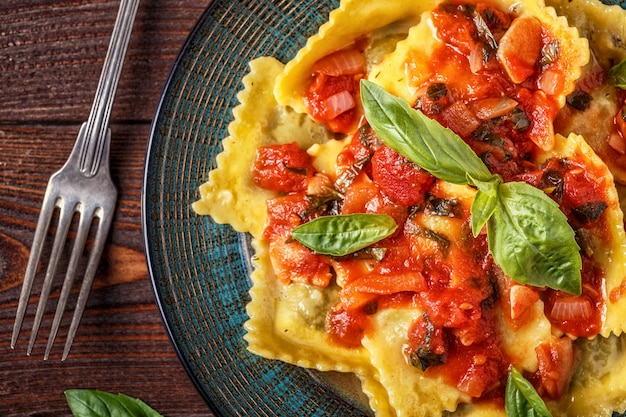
<point x="453" y="281"/>
<point x="283" y="168"/>
<point x="333" y="93"/>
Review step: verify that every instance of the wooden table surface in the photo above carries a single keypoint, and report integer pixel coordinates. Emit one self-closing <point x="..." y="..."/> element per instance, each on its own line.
<point x="51" y="55"/>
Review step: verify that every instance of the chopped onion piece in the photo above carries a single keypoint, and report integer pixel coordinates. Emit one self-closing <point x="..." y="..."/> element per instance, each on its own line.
<point x="344" y="62"/>
<point x="571" y="308"/>
<point x="477" y="58"/>
<point x="460" y="119"/>
<point x="338" y="103"/>
<point x="521" y="299"/>
<point x="551" y="82"/>
<point x="617" y="142"/>
<point x="490" y="108"/>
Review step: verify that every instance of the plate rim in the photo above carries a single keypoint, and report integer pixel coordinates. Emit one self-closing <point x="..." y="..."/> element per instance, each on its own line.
<point x="184" y="361"/>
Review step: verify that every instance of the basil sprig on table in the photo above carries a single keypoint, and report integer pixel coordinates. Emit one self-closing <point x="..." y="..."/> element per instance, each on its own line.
<point x="521" y="399"/>
<point x="528" y="235"/>
<point x="342" y="235"/>
<point x="95" y="403"/>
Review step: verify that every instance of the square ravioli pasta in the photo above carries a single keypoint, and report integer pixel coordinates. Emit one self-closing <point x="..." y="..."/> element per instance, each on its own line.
<point x="423" y="315"/>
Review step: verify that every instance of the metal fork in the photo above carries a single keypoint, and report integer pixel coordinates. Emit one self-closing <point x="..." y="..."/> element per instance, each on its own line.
<point x="81" y="188"/>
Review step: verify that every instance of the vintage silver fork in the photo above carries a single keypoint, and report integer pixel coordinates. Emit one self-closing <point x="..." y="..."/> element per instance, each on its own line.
<point x="81" y="188"/>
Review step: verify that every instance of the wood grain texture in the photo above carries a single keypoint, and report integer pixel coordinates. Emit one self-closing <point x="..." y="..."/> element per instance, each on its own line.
<point x="51" y="54"/>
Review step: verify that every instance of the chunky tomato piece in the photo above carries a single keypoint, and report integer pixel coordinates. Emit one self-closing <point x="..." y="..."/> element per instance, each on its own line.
<point x="372" y="286"/>
<point x="292" y="262"/>
<point x="359" y="194"/>
<point x="282" y="168"/>
<point x="427" y="344"/>
<point x="454" y="307"/>
<point x="475" y="370"/>
<point x="283" y="215"/>
<point x="520" y="48"/>
<point x="397" y="256"/>
<point x="333" y="100"/>
<point x="578" y="316"/>
<point x="581" y="187"/>
<point x="556" y="364"/>
<point x="346" y="327"/>
<point x="485" y="368"/>
<point x="400" y="179"/>
<point x="477" y="331"/>
<point x="542" y="111"/>
<point x="454" y="27"/>
<point x="376" y="283"/>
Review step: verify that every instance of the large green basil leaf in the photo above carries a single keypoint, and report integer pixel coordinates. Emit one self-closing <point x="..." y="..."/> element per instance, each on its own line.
<point x="531" y="240"/>
<point x="422" y="140"/>
<point x="94" y="403"/>
<point x="342" y="235"/>
<point x="521" y="399"/>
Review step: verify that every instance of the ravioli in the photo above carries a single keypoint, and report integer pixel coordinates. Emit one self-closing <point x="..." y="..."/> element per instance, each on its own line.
<point x="351" y="21"/>
<point x="613" y="258"/>
<point x="292" y="316"/>
<point x="601" y="361"/>
<point x="258" y="121"/>
<point x="292" y="328"/>
<point x="603" y="26"/>
<point x="290" y="331"/>
<point x="411" y="393"/>
<point x="403" y="72"/>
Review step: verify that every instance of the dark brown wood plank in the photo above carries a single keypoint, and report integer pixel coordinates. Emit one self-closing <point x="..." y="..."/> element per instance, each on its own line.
<point x="51" y="53"/>
<point x="121" y="345"/>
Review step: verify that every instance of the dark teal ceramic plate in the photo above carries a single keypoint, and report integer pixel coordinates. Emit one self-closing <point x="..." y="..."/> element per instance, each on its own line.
<point x="199" y="269"/>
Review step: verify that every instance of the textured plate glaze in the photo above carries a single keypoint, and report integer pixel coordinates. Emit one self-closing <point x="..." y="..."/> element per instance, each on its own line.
<point x="198" y="268"/>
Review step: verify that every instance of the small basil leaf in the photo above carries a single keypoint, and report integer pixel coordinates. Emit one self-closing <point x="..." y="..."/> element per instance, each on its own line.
<point x="482" y="209"/>
<point x="420" y="139"/>
<point x="485" y="203"/>
<point x="617" y="75"/>
<point x="531" y="240"/>
<point x="521" y="399"/>
<point x="94" y="403"/>
<point x="342" y="235"/>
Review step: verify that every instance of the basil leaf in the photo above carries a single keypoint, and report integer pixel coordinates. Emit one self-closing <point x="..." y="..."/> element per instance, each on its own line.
<point x="344" y="234"/>
<point x="521" y="399"/>
<point x="528" y="234"/>
<point x="422" y="140"/>
<point x="531" y="240"/>
<point x="485" y="203"/>
<point x="617" y="75"/>
<point x="482" y="209"/>
<point x="94" y="403"/>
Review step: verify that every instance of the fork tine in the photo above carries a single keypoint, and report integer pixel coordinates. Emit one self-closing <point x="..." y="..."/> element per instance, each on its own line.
<point x="106" y="218"/>
<point x="65" y="219"/>
<point x="86" y="177"/>
<point x="77" y="249"/>
<point x="43" y="224"/>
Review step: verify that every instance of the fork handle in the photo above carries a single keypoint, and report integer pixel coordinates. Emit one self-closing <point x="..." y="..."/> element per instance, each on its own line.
<point x="95" y="135"/>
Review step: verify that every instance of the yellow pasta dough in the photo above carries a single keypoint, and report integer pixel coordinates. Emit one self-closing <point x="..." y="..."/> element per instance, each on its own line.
<point x="288" y="320"/>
